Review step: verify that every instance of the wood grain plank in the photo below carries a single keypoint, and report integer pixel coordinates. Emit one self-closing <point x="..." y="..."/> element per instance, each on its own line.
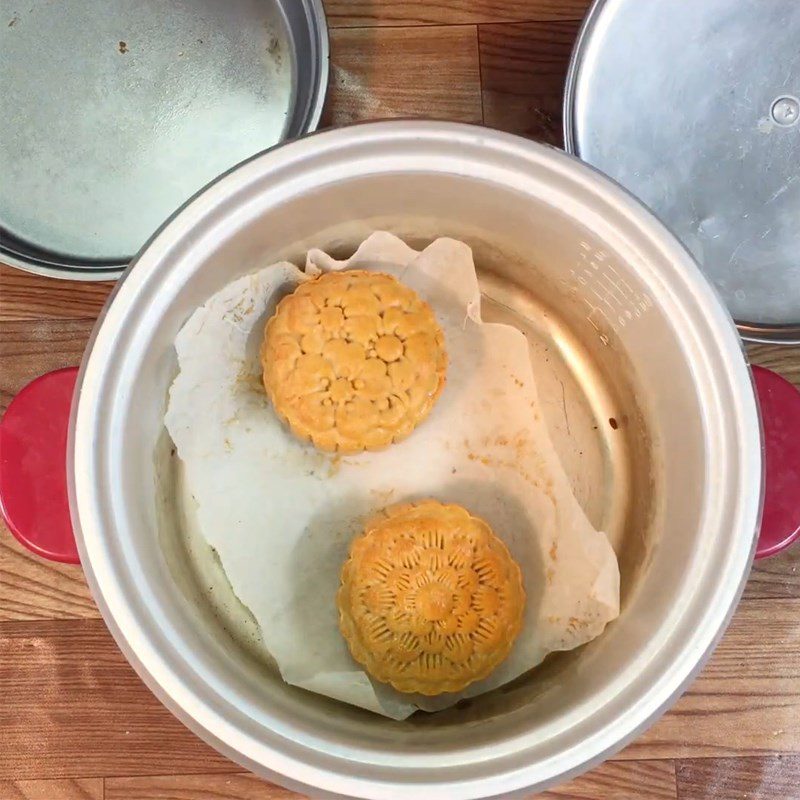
<point x="77" y="789"/>
<point x="635" y="780"/>
<point x="72" y="706"/>
<point x="234" y="786"/>
<point x="769" y="778"/>
<point x="27" y="296"/>
<point x="358" y="13"/>
<point x="523" y="69"/>
<point x="610" y="781"/>
<point x="777" y="577"/>
<point x="746" y="702"/>
<point x="32" y="588"/>
<point x="784" y="359"/>
<point x="29" y="348"/>
<point x="397" y="72"/>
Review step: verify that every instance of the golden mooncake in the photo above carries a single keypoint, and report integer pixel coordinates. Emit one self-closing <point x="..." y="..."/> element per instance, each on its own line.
<point x="430" y="599"/>
<point x="353" y="361"/>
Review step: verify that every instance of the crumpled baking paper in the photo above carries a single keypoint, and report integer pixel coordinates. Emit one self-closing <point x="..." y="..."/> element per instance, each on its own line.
<point x="281" y="515"/>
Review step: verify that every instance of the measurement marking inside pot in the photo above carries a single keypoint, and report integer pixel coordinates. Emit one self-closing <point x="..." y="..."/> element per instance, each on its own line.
<point x="621" y="279"/>
<point x="604" y="298"/>
<point x="613" y="288"/>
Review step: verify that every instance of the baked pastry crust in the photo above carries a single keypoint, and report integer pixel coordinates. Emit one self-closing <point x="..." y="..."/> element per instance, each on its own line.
<point x="353" y="361"/>
<point x="430" y="599"/>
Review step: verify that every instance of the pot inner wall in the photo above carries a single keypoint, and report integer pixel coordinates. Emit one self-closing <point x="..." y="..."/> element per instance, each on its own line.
<point x="599" y="416"/>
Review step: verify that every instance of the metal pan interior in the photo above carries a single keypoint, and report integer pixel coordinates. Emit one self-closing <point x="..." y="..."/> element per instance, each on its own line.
<point x="589" y="400"/>
<point x="113" y="114"/>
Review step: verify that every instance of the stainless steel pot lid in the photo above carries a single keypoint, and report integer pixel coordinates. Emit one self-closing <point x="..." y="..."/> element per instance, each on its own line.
<point x="695" y="108"/>
<point x="114" y="112"/>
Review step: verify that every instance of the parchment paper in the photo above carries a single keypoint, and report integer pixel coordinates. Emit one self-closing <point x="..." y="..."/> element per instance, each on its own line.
<point x="281" y="515"/>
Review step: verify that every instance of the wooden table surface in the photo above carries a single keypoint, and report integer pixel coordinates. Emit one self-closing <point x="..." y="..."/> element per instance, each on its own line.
<point x="76" y="722"/>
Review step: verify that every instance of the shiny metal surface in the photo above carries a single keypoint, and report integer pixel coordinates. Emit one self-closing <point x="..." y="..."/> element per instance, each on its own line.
<point x="694" y="108"/>
<point x="113" y="114"/>
<point x="620" y="320"/>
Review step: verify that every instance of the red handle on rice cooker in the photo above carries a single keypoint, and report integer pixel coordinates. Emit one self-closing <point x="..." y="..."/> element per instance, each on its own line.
<point x="33" y="464"/>
<point x="780" y="421"/>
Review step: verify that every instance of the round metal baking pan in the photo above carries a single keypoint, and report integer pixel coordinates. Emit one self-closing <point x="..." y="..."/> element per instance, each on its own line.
<point x="114" y="114"/>
<point x="694" y="108"/>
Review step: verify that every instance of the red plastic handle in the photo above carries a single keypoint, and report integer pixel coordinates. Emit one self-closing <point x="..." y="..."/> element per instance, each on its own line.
<point x="33" y="466"/>
<point x="780" y="419"/>
<point x="33" y="455"/>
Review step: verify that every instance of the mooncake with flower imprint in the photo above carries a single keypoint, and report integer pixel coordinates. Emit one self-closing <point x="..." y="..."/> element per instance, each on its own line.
<point x="430" y="598"/>
<point x="353" y="361"/>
